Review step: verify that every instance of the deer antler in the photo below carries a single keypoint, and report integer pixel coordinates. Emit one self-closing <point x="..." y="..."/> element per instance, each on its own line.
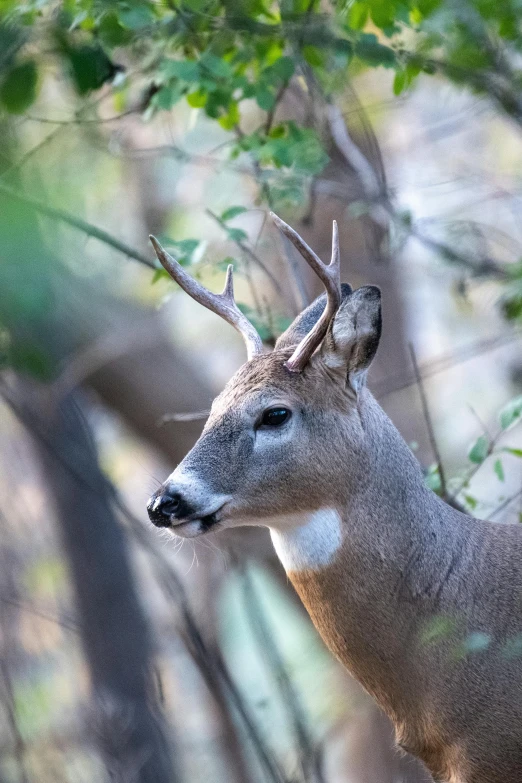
<point x="330" y="275"/>
<point x="223" y="304"/>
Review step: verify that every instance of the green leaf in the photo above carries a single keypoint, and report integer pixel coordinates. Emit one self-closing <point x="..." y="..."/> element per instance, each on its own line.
<point x="432" y="478"/>
<point x="471" y="501"/>
<point x="499" y="470"/>
<point x="12" y="39"/>
<point x="232" y="212"/>
<point x="511" y="413"/>
<point x="160" y="274"/>
<point x="277" y="132"/>
<point x="182" y="249"/>
<point x="197" y="99"/>
<point x="372" y="52"/>
<point x="216" y="66"/>
<point x="358" y="15"/>
<point x="437" y="628"/>
<point x="383" y="14"/>
<point x="231" y="118"/>
<point x="90" y="67"/>
<point x="29" y="358"/>
<point x="514" y="452"/>
<point x="167" y="97"/>
<point x="479" y="450"/>
<point x="237" y="234"/>
<point x="476" y="642"/>
<point x="512" y="307"/>
<point x="18" y="89"/>
<point x="265" y="98"/>
<point x="187" y="246"/>
<point x="314" y="56"/>
<point x="283" y="69"/>
<point x="111" y="31"/>
<point x="254" y="318"/>
<point x="426" y="7"/>
<point x="399" y="83"/>
<point x="137" y="15"/>
<point x="513" y="647"/>
<point x="186" y="70"/>
<point x="218" y="102"/>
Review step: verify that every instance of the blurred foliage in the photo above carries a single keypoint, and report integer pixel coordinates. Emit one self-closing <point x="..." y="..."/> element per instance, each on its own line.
<point x="216" y="53"/>
<point x="223" y="56"/>
<point x="488" y="449"/>
<point x="233" y="61"/>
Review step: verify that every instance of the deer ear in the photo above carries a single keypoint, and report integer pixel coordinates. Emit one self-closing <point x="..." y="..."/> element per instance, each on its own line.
<point x="353" y="336"/>
<point x="306" y="320"/>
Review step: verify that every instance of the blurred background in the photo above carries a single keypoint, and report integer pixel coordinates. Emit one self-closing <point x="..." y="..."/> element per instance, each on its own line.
<point x="126" y="655"/>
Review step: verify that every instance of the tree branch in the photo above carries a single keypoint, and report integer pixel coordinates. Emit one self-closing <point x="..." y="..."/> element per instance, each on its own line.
<point x="78" y="223"/>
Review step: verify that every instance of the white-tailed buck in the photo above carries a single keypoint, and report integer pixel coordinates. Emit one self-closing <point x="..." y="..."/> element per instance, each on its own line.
<point x="421" y="603"/>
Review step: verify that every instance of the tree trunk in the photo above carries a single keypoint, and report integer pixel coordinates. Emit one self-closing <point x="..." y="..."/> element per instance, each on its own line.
<point x="117" y="642"/>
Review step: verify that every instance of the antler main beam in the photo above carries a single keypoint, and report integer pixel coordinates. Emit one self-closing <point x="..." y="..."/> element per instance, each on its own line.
<point x="222" y="304"/>
<point x="330" y="275"/>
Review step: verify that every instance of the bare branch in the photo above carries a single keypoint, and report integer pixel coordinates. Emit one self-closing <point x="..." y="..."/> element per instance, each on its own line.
<point x="178" y="417"/>
<point x="309" y="757"/>
<point x="431" y="431"/>
<point x="505" y="504"/>
<point x="81" y="225"/>
<point x="250" y="253"/>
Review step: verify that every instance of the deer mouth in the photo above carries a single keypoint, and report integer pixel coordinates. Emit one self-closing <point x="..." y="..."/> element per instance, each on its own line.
<point x="196" y="526"/>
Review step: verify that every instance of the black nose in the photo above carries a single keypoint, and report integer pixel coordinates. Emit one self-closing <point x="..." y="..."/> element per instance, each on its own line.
<point x="163" y="507"/>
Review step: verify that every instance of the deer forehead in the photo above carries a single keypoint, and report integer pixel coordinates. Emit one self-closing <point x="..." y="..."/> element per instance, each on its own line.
<point x="264" y="380"/>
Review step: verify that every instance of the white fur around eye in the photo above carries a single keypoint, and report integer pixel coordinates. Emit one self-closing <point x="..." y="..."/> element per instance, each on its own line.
<point x="307" y="541"/>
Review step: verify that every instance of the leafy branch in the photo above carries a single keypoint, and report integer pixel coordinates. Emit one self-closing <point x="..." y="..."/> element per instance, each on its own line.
<point x="82" y="225"/>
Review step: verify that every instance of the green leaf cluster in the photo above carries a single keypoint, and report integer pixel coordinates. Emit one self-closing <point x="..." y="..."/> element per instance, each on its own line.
<point x="285" y="146"/>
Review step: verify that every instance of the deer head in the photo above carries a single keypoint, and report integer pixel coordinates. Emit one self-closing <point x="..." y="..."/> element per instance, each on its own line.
<point x="287" y="423"/>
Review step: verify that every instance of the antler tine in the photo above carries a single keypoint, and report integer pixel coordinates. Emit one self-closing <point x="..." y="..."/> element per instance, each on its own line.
<point x="222" y="304"/>
<point x="330" y="275"/>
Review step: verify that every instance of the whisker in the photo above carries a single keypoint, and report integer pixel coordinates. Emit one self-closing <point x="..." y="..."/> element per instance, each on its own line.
<point x="209" y="544"/>
<point x="194" y="558"/>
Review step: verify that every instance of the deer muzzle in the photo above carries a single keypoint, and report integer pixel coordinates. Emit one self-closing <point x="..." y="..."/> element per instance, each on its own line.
<point x="185" y="508"/>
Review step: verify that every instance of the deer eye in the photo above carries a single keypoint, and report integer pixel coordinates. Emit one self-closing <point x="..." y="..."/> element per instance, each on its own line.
<point x="274" y="417"/>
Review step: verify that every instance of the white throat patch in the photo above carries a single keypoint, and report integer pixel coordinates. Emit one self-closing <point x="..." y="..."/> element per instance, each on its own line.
<point x="307" y="541"/>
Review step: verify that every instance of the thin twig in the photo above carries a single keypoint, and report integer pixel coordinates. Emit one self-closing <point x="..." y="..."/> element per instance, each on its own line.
<point x="271" y="114"/>
<point x="308" y="757"/>
<point x="63" y="622"/>
<point x="429" y="424"/>
<point x="80" y="121"/>
<point x="444" y="363"/>
<point x="170" y="418"/>
<point x="104" y="350"/>
<point x="249" y="252"/>
<point x="10" y="708"/>
<point x="504" y="504"/>
<point x="78" y="223"/>
<point x="29" y="154"/>
<point x="492" y="442"/>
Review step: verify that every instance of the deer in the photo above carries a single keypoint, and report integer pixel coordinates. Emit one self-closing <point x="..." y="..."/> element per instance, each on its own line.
<point x="419" y="601"/>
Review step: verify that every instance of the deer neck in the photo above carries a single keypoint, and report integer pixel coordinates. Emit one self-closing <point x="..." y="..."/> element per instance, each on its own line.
<point x="369" y="569"/>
